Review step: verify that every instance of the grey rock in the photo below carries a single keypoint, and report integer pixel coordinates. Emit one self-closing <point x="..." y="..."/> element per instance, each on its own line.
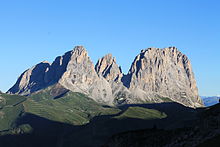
<point x="31" y="80"/>
<point x="74" y="71"/>
<point x="108" y="68"/>
<point x="155" y="75"/>
<point x="57" y="68"/>
<point x="163" y="73"/>
<point x="80" y="76"/>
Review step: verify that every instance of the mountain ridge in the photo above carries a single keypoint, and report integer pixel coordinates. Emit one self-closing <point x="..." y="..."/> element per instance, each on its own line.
<point x="106" y="83"/>
<point x="210" y="100"/>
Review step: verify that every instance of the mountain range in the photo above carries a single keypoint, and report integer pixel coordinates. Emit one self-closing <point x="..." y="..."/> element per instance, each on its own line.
<point x="210" y="100"/>
<point x="72" y="102"/>
<point x="155" y="76"/>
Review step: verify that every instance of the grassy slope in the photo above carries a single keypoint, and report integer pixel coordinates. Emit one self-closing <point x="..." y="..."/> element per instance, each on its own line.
<point x="141" y="113"/>
<point x="78" y="109"/>
<point x="72" y="108"/>
<point x="13" y="99"/>
<point x="10" y="110"/>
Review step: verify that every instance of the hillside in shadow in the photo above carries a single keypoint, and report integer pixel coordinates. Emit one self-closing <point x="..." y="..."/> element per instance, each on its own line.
<point x="98" y="131"/>
<point x="45" y="133"/>
<point x="203" y="131"/>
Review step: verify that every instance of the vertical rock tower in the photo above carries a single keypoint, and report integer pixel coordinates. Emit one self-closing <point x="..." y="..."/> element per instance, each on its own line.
<point x="164" y="73"/>
<point x="108" y="68"/>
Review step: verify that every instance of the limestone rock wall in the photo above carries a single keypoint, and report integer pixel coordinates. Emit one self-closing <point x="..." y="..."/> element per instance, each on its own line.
<point x="164" y="73"/>
<point x="155" y="75"/>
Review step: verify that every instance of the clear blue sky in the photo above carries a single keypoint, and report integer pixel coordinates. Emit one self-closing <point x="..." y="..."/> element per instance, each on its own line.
<point x="35" y="30"/>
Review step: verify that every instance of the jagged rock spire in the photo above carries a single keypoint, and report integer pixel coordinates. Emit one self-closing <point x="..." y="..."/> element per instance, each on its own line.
<point x="108" y="68"/>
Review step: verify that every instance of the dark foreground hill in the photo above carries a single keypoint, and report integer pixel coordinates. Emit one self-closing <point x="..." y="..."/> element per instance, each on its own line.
<point x="204" y="131"/>
<point x="58" y="117"/>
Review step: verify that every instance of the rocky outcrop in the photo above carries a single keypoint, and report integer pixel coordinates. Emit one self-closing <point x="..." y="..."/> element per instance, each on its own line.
<point x="108" y="68"/>
<point x="31" y="80"/>
<point x="80" y="76"/>
<point x="164" y="73"/>
<point x="155" y="76"/>
<point x="74" y="71"/>
<point x="57" y="68"/>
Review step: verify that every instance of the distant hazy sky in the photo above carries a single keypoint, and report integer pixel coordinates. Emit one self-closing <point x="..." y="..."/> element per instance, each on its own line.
<point x="35" y="30"/>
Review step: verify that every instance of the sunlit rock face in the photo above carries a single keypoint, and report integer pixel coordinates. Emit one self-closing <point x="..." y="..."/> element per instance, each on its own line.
<point x="74" y="71"/>
<point x="108" y="68"/>
<point x="155" y="75"/>
<point x="80" y="76"/>
<point x="164" y="73"/>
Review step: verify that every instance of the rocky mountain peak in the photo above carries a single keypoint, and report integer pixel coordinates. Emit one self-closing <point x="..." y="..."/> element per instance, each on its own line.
<point x="31" y="80"/>
<point x="155" y="75"/>
<point x="79" y="49"/>
<point x="80" y="76"/>
<point x="79" y="52"/>
<point x="108" y="68"/>
<point x="165" y="73"/>
<point x="47" y="62"/>
<point x="73" y="71"/>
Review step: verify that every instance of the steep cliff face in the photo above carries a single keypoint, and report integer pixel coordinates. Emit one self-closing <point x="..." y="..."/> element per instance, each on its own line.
<point x="57" y="68"/>
<point x="164" y="73"/>
<point x="80" y="76"/>
<point x="31" y="80"/>
<point x="108" y="68"/>
<point x="155" y="76"/>
<point x="41" y="76"/>
<point x="74" y="71"/>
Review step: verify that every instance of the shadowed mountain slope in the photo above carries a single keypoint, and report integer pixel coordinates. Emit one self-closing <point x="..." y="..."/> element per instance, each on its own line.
<point x="63" y="118"/>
